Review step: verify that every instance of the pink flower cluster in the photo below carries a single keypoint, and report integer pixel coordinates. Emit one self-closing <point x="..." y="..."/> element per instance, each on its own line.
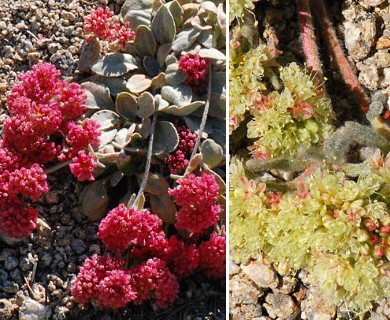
<point x="178" y="160"/>
<point x="196" y="69"/>
<point x="100" y="25"/>
<point x="160" y="262"/>
<point x="197" y="197"/>
<point x="42" y="127"/>
<point x="213" y="256"/>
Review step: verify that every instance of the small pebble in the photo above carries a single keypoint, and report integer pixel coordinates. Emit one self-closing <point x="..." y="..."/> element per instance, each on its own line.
<point x="78" y="246"/>
<point x="9" y="287"/>
<point x="11" y="263"/>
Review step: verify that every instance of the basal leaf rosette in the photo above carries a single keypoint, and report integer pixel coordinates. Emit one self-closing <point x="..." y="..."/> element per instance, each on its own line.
<point x="294" y="119"/>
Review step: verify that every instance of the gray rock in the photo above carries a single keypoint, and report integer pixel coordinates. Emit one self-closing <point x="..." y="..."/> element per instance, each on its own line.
<point x="243" y="291"/>
<point x="369" y="76"/>
<point x="370" y="3"/>
<point x="233" y="268"/>
<point x="314" y="307"/>
<point x="78" y="246"/>
<point x="5" y="253"/>
<point x="11" y="263"/>
<point x="377" y="316"/>
<point x="288" y="285"/>
<point x="3" y="275"/>
<point x="64" y="61"/>
<point x="33" y="310"/>
<point x="16" y="275"/>
<point x="281" y="306"/>
<point x="9" y="287"/>
<point x="26" y="263"/>
<point x="360" y="36"/>
<point x="261" y="274"/>
<point x="46" y="259"/>
<point x="7" y="309"/>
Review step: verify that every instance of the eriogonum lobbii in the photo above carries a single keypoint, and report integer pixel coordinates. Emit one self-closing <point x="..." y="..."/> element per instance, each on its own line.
<point x="179" y="159"/>
<point x="153" y="279"/>
<point x="93" y="271"/>
<point x="42" y="127"/>
<point x="18" y="220"/>
<point x="100" y="25"/>
<point x="213" y="256"/>
<point x="197" y="197"/>
<point x="126" y="228"/>
<point x="196" y="69"/>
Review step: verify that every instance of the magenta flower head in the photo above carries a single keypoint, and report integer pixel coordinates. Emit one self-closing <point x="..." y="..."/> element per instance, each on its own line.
<point x="126" y="228"/>
<point x="98" y="25"/>
<point x="18" y="220"/>
<point x="183" y="259"/>
<point x="115" y="290"/>
<point x="196" y="69"/>
<point x="213" y="256"/>
<point x="197" y="197"/>
<point x="178" y="159"/>
<point x="153" y="279"/>
<point x="82" y="166"/>
<point x="93" y="271"/>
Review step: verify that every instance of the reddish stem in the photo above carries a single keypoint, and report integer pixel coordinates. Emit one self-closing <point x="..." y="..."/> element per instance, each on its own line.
<point x="309" y="43"/>
<point x="334" y="47"/>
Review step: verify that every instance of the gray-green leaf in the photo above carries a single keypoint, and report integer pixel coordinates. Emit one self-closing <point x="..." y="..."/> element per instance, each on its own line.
<point x="98" y="95"/>
<point x="115" y="64"/>
<point x="145" y="105"/>
<point x="94" y="200"/>
<point x="174" y="75"/>
<point x="211" y="53"/>
<point x="185" y="110"/>
<point x="126" y="106"/>
<point x="107" y="119"/>
<point x="180" y="95"/>
<point x="212" y="153"/>
<point x="163" y="25"/>
<point x="185" y="39"/>
<point x="144" y="42"/>
<point x="139" y="83"/>
<point x="166" y="138"/>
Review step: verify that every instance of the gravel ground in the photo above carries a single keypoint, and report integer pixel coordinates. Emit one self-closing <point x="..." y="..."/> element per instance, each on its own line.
<point x="257" y="291"/>
<point x="41" y="31"/>
<point x="35" y="274"/>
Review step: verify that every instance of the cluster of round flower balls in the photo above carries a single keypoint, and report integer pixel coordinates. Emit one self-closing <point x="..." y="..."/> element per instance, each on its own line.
<point x="162" y="261"/>
<point x="43" y="127"/>
<point x="178" y="160"/>
<point x="196" y="69"/>
<point x="100" y="25"/>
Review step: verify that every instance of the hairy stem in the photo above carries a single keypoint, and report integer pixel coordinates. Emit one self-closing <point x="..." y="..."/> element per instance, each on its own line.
<point x="334" y="47"/>
<point x="204" y="116"/>
<point x="148" y="161"/>
<point x="309" y="43"/>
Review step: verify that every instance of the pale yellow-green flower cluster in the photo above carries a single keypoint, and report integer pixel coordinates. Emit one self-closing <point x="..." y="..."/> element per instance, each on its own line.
<point x="335" y="227"/>
<point x="245" y="80"/>
<point x="291" y="120"/>
<point x="237" y="7"/>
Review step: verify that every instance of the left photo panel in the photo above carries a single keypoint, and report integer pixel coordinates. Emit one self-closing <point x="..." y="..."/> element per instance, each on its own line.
<point x="113" y="159"/>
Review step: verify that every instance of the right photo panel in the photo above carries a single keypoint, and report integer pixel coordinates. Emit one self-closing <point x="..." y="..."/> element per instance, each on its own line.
<point x="309" y="120"/>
